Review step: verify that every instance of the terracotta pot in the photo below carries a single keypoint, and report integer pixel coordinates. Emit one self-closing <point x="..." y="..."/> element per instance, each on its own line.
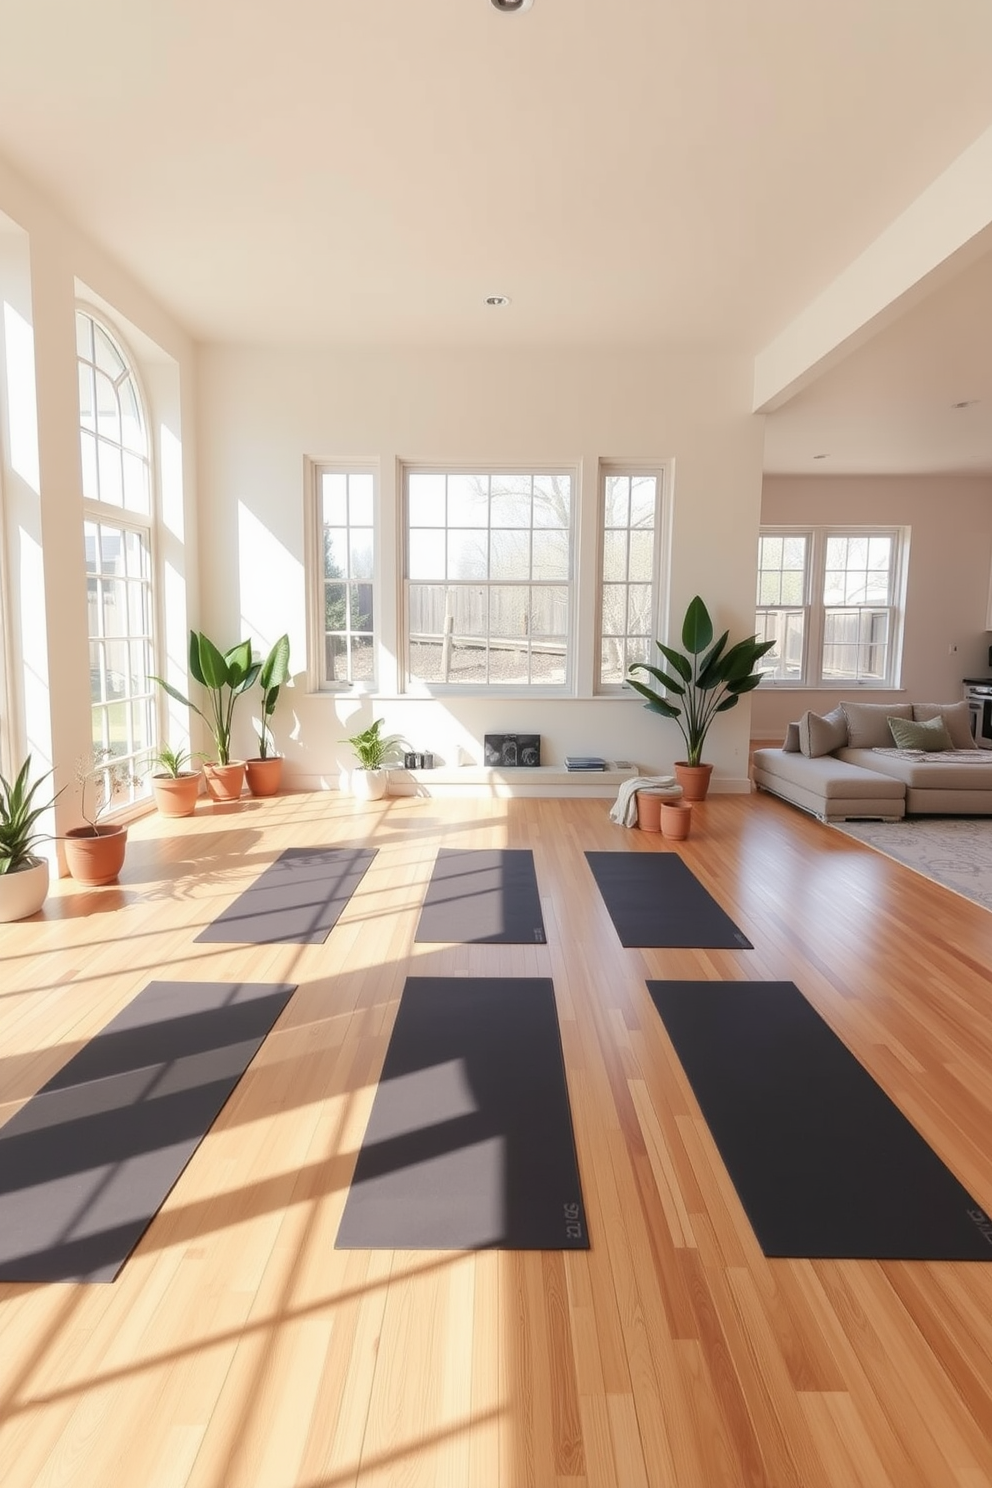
<point x="264" y="775"/>
<point x="368" y="785"/>
<point x="694" y="780"/>
<point x="23" y="891"/>
<point x="224" y="782"/>
<point x="649" y="811"/>
<point x="95" y="858"/>
<point x="676" y="818"/>
<point x="175" y="795"/>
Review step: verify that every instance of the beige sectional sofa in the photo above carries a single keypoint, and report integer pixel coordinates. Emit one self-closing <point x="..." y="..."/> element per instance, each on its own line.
<point x="846" y="763"/>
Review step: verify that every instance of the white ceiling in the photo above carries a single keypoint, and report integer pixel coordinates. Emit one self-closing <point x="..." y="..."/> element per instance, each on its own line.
<point x="652" y="172"/>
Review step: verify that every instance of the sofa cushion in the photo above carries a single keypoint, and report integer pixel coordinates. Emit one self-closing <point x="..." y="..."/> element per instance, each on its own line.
<point x="922" y="773"/>
<point x="822" y="734"/>
<point x="791" y="741"/>
<point x="827" y="775"/>
<point x="928" y="735"/>
<point x="868" y="723"/>
<point x="957" y="721"/>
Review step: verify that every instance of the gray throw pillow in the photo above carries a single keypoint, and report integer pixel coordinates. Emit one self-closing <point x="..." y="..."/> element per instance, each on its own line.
<point x="822" y="734"/>
<point x="957" y="721"/>
<point x="868" y="723"/>
<point x="790" y="744"/>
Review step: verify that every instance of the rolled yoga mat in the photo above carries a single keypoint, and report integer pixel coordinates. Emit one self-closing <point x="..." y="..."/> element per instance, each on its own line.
<point x="654" y="900"/>
<point x="469" y="1145"/>
<point x="86" y="1164"/>
<point x="825" y="1165"/>
<point x="481" y="895"/>
<point x="296" y="900"/>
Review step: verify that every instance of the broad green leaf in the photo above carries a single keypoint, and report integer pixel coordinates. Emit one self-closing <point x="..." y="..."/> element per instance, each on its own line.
<point x="681" y="663"/>
<point x="213" y="666"/>
<point x="697" y="628"/>
<point x="275" y="668"/>
<point x="671" y="684"/>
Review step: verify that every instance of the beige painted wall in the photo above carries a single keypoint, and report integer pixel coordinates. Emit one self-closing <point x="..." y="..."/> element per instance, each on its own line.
<point x="948" y="579"/>
<point x="262" y="412"/>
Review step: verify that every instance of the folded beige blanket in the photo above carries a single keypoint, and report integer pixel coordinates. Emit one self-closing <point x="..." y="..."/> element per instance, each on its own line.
<point x="624" y="809"/>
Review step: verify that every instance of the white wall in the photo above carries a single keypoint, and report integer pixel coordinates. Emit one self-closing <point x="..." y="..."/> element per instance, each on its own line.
<point x="948" y="579"/>
<point x="261" y="413"/>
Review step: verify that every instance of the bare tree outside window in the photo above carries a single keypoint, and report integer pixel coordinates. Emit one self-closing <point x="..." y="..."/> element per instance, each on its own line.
<point x="347" y="503"/>
<point x="629" y="560"/>
<point x="488" y="578"/>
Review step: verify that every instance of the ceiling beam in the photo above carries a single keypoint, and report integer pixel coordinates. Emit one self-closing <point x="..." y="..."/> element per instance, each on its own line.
<point x="945" y="229"/>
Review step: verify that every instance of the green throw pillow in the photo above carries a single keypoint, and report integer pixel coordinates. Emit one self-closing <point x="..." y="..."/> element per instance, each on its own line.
<point x="932" y="734"/>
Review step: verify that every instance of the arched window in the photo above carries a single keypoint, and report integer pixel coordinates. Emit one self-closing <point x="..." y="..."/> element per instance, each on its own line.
<point x="117" y="495"/>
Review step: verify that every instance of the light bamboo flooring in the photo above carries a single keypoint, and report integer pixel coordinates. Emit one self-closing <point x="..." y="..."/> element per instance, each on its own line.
<point x="238" y="1349"/>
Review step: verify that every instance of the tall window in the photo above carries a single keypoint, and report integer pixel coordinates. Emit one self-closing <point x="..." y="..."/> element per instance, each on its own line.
<point x="488" y="578"/>
<point x="831" y="600"/>
<point x="116" y="467"/>
<point x="346" y="506"/>
<point x="631" y="508"/>
<point x="783" y="603"/>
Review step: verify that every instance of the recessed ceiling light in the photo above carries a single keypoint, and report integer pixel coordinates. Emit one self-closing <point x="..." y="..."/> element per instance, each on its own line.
<point x="509" y="7"/>
<point x="497" y="299"/>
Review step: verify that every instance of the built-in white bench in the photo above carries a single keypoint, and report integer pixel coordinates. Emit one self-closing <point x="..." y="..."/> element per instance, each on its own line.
<point x="537" y="780"/>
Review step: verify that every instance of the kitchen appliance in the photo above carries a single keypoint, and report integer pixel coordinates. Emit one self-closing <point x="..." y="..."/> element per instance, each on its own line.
<point x="978" y="696"/>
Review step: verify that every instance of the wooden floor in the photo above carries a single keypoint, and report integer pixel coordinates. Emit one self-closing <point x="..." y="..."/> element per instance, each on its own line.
<point x="238" y="1347"/>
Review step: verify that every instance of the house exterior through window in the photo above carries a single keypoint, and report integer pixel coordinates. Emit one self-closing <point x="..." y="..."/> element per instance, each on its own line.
<point x="832" y="600"/>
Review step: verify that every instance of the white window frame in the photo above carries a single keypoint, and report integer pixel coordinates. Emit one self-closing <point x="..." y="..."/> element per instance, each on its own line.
<point x="103" y="513"/>
<point x="314" y="575"/>
<point x="815" y="610"/>
<point x="659" y="564"/>
<point x="413" y="687"/>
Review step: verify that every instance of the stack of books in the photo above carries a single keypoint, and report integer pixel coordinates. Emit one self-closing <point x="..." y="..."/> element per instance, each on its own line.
<point x="584" y="762"/>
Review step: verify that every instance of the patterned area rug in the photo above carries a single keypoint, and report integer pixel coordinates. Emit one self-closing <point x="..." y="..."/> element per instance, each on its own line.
<point x="953" y="851"/>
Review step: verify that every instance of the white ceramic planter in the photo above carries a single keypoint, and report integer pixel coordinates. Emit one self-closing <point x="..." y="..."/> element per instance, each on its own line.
<point x="368" y="785"/>
<point x="23" y="892"/>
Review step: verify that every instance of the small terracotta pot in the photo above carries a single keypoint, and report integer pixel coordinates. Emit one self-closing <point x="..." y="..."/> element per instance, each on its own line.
<point x="676" y="818"/>
<point x="175" y="795"/>
<point x="95" y="858"/>
<point x="694" y="780"/>
<point x="264" y="775"/>
<point x="649" y="811"/>
<point x="224" y="782"/>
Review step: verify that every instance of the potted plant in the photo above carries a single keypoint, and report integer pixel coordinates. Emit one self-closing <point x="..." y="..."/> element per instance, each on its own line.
<point x="175" y="786"/>
<point x="23" y="875"/>
<point x="368" y="781"/>
<point x="225" y="675"/>
<point x="706" y="678"/>
<point x="95" y="852"/>
<point x="265" y="772"/>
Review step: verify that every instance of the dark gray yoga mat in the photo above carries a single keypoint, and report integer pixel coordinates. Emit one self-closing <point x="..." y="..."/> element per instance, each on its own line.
<point x="297" y="900"/>
<point x="469" y="1145"/>
<point x="655" y="900"/>
<point x="482" y="895"/>
<point x="86" y="1164"/>
<point x="824" y="1163"/>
